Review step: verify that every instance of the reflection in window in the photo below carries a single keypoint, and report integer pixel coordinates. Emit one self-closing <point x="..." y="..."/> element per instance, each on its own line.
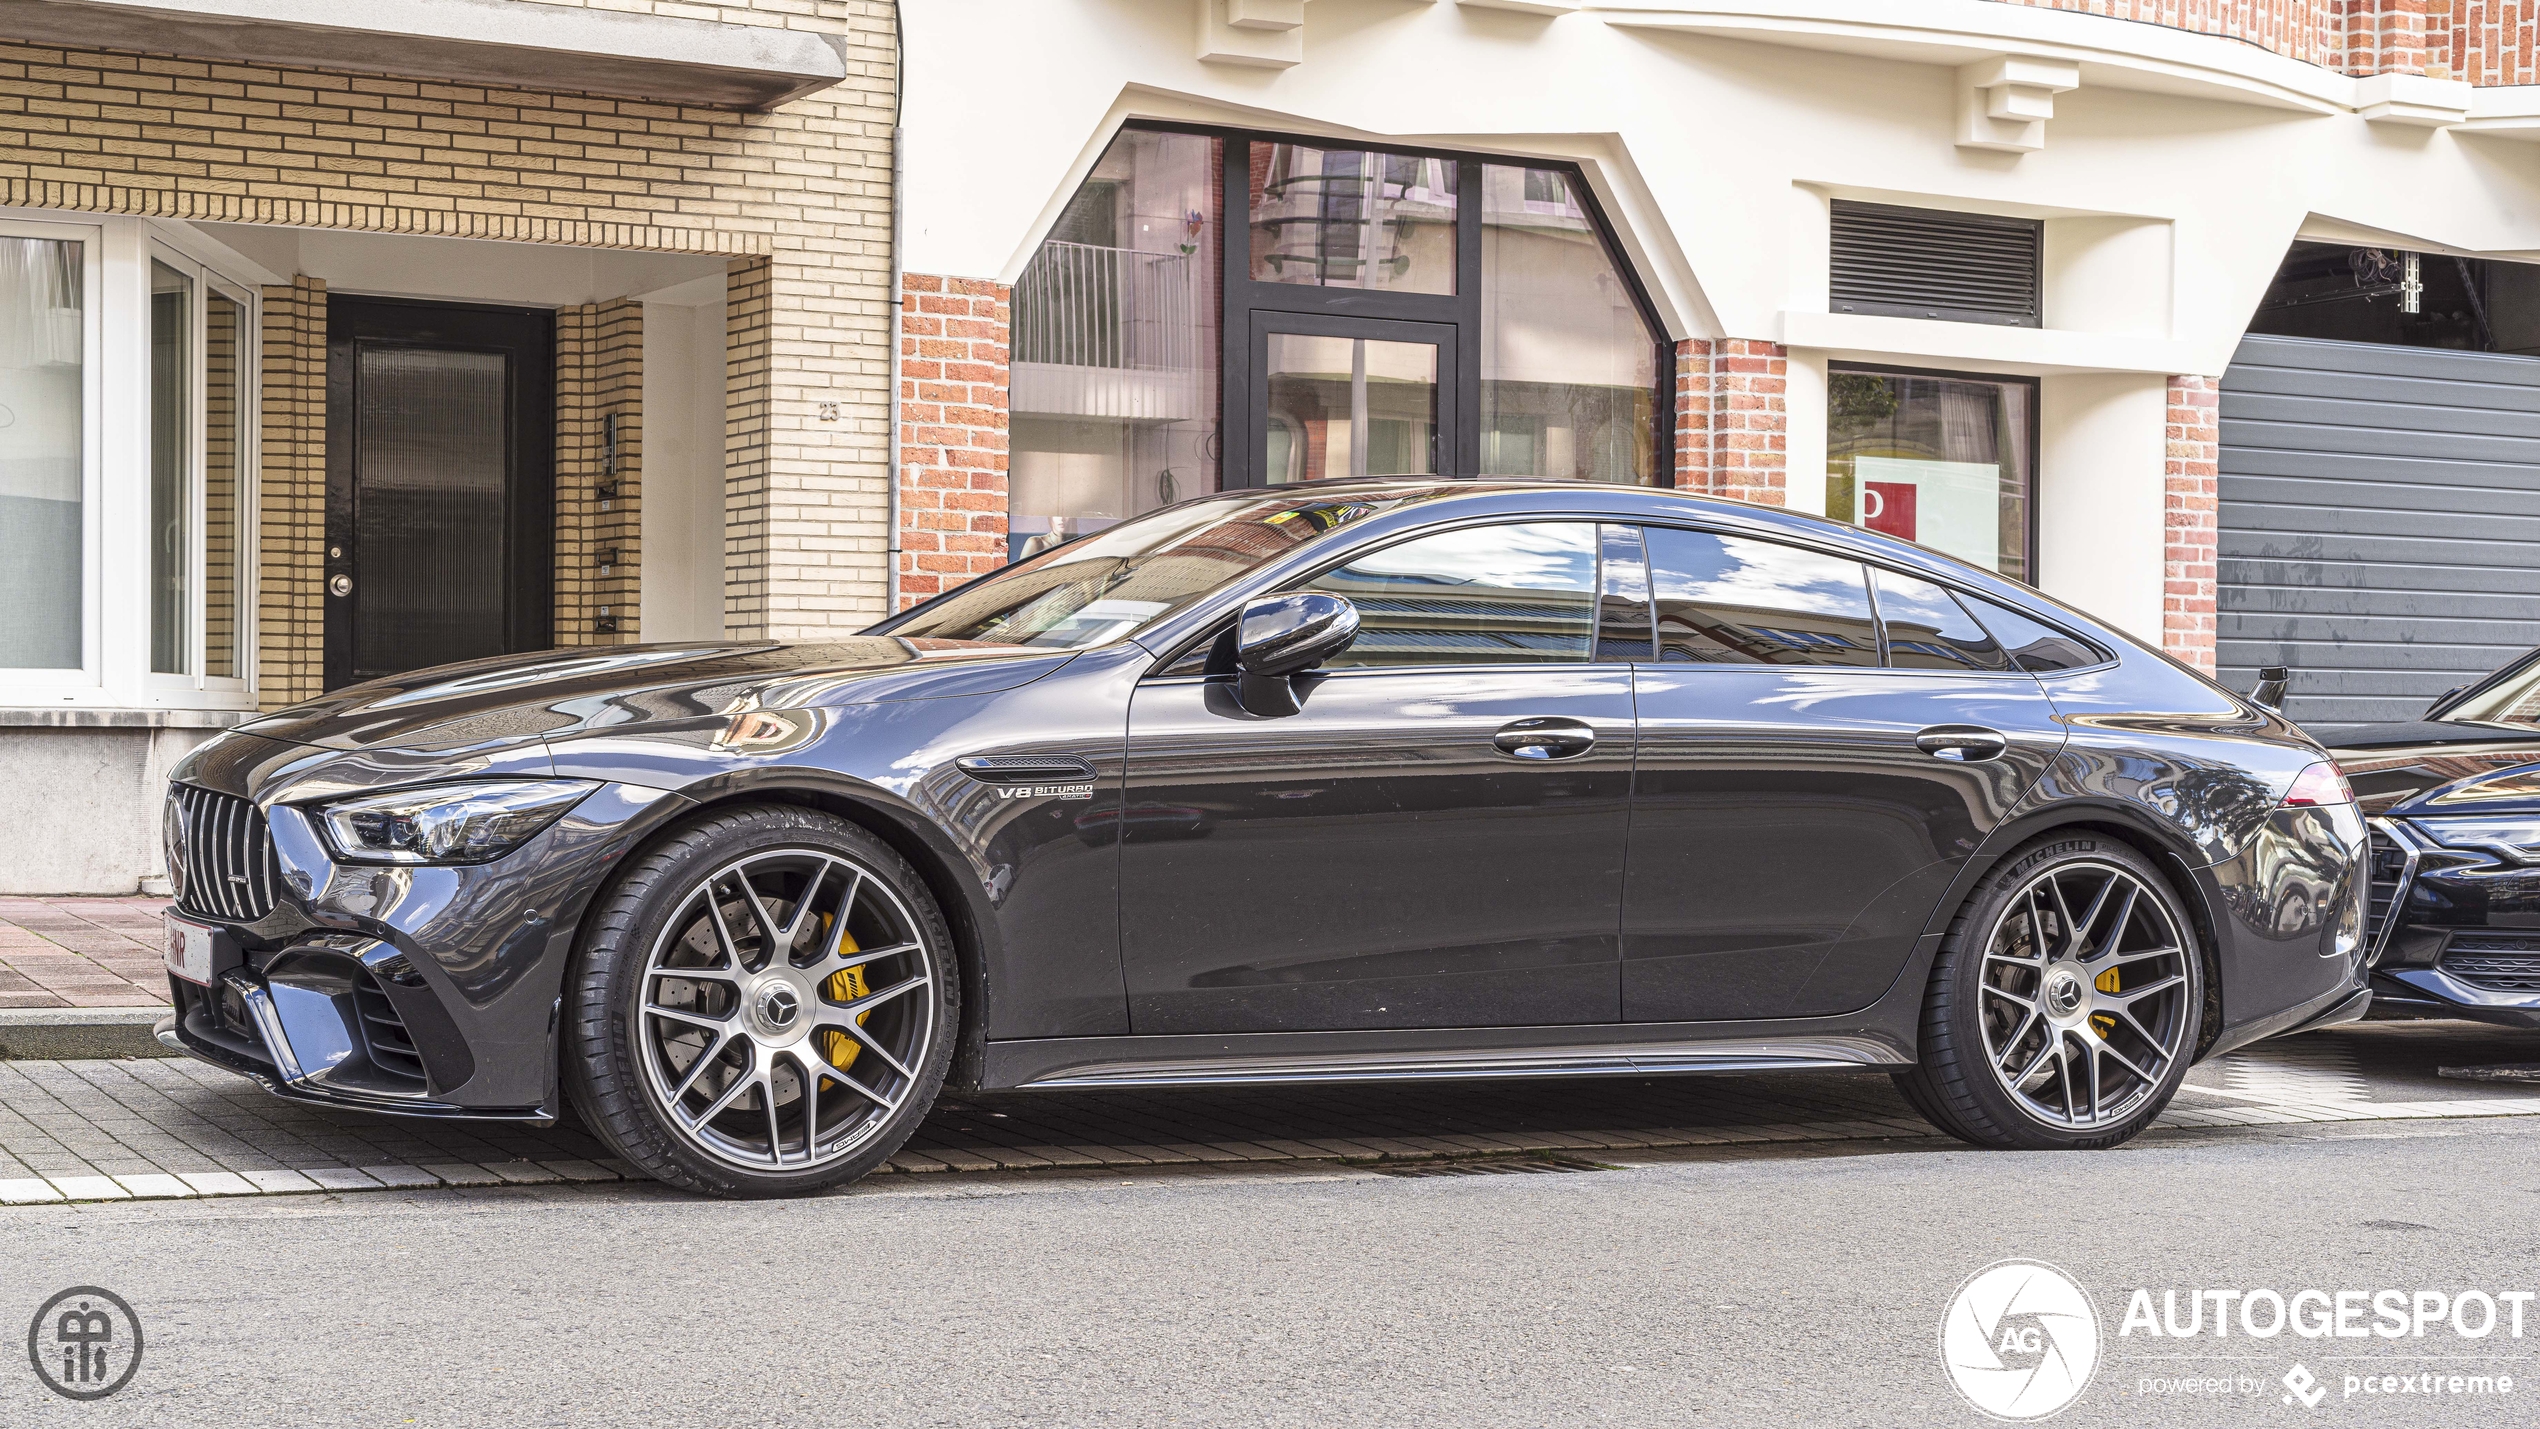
<point x="1569" y="368"/>
<point x="224" y="512"/>
<point x="171" y="470"/>
<point x="1520" y="593"/>
<point x="1115" y="345"/>
<point x="1928" y="630"/>
<point x="1729" y="600"/>
<point x="42" y="464"/>
<point x="1943" y="461"/>
<point x="1350" y="218"/>
<point x="1344" y="406"/>
<point x="2032" y="646"/>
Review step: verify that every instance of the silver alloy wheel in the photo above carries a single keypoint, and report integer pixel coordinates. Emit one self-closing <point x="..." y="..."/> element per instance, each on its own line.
<point x="785" y="1009"/>
<point x="2085" y="994"/>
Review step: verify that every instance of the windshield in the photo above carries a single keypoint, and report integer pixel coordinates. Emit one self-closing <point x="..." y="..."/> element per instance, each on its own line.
<point x="2514" y="699"/>
<point x="1102" y="587"/>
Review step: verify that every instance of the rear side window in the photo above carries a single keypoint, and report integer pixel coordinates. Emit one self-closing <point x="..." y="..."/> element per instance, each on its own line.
<point x="1928" y="630"/>
<point x="2034" y="647"/>
<point x="1520" y="593"/>
<point x="1733" y="601"/>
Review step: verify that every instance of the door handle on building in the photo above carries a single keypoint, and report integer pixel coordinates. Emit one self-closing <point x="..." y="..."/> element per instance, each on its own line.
<point x="1544" y="738"/>
<point x="1962" y="742"/>
<point x="339" y="585"/>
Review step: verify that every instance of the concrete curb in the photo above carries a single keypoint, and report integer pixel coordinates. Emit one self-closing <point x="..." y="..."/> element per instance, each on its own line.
<point x="54" y="1033"/>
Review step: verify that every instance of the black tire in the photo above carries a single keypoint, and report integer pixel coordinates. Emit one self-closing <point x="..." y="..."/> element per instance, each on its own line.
<point x="1956" y="1086"/>
<point x="605" y="1040"/>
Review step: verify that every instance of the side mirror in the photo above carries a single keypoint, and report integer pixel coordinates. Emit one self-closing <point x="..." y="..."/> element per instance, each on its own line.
<point x="2272" y="681"/>
<point x="1279" y="636"/>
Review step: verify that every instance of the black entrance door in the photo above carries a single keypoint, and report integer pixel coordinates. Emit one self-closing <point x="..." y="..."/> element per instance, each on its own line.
<point x="440" y="484"/>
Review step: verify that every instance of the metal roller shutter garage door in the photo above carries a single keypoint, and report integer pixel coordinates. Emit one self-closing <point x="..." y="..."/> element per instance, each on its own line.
<point x="2380" y="522"/>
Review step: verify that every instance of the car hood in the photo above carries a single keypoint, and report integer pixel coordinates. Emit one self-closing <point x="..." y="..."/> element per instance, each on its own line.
<point x="2432" y="766"/>
<point x="557" y="694"/>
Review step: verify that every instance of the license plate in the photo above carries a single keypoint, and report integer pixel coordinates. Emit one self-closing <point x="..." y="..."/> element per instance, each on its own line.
<point x="189" y="950"/>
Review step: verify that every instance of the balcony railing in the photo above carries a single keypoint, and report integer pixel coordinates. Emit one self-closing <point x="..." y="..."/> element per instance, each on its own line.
<point x="1082" y="306"/>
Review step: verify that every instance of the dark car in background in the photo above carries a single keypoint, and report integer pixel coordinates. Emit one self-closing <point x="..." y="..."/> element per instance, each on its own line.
<point x="1385" y="779"/>
<point x="2453" y="799"/>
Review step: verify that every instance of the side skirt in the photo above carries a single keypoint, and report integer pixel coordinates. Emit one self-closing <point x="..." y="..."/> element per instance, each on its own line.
<point x="1084" y="1063"/>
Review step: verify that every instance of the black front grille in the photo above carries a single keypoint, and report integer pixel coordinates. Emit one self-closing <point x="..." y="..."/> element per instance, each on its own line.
<point x="2389" y="880"/>
<point x="2496" y="964"/>
<point x="392" y="1049"/>
<point x="229" y="873"/>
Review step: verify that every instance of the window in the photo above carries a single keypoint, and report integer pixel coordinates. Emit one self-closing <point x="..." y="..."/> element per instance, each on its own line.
<point x="45" y="453"/>
<point x="2034" y="647"/>
<point x="1115" y="347"/>
<point x="1927" y="629"/>
<point x="1569" y="365"/>
<point x="1521" y="593"/>
<point x="1947" y="462"/>
<point x="1213" y="311"/>
<point x="200" y="601"/>
<point x="1732" y="601"/>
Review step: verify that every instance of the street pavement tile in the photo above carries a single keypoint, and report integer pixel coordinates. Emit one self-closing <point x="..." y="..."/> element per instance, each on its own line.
<point x="465" y="1174"/>
<point x="272" y="1182"/>
<point x="219" y="1183"/>
<point x="90" y="1188"/>
<point x="573" y="1170"/>
<point x="154" y="1186"/>
<point x="26" y="1191"/>
<point x="524" y="1173"/>
<point x="340" y="1178"/>
<point x="401" y="1176"/>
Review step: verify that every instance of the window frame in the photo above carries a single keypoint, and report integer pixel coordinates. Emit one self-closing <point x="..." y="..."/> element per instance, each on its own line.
<point x="2036" y="476"/>
<point x="1240" y="297"/>
<point x="207" y="280"/>
<point x="115" y="614"/>
<point x="34" y="682"/>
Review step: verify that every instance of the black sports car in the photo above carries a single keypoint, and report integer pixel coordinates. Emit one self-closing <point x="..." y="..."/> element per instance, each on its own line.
<point x="2454" y="803"/>
<point x="1376" y="779"/>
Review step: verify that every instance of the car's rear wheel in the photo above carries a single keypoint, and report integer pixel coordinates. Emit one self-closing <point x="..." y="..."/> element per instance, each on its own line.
<point x="2063" y="1008"/>
<point x="764" y="1005"/>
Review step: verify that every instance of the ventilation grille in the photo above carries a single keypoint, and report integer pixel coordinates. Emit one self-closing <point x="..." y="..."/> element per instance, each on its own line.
<point x="2494" y="971"/>
<point x="228" y="869"/>
<point x="392" y="1048"/>
<point x="2389" y="869"/>
<point x="1935" y="263"/>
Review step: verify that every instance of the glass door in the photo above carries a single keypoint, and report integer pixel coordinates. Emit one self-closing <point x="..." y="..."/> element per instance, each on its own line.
<point x="1338" y="397"/>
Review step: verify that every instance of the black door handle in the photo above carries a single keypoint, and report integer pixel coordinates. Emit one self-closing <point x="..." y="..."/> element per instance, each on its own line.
<point x="1963" y="742"/>
<point x="1544" y="738"/>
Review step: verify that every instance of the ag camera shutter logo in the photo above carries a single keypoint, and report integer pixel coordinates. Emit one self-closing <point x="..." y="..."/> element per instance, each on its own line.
<point x="2020" y="1340"/>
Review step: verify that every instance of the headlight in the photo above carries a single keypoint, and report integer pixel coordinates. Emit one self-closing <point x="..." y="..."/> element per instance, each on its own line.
<point x="2515" y="838"/>
<point x="448" y="823"/>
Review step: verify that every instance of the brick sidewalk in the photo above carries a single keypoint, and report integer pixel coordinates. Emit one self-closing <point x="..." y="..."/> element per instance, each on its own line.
<point x="81" y="952"/>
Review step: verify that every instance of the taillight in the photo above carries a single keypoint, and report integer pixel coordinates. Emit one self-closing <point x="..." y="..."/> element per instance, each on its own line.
<point x="2317" y="787"/>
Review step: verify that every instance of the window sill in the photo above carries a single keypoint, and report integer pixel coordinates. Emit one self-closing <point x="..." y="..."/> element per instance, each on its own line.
<point x="69" y="718"/>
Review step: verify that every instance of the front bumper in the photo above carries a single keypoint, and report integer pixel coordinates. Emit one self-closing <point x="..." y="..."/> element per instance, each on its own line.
<point x="417" y="990"/>
<point x="2455" y="934"/>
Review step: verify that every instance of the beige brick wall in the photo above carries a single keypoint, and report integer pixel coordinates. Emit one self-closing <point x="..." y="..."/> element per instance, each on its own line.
<point x="801" y="194"/>
<point x="599" y="537"/>
<point x="291" y="533"/>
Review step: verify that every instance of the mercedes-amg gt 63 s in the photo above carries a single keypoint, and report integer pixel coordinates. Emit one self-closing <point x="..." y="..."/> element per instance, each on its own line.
<point x="1390" y="778"/>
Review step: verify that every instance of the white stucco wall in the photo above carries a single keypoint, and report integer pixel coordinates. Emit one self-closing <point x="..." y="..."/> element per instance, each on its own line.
<point x="2170" y="181"/>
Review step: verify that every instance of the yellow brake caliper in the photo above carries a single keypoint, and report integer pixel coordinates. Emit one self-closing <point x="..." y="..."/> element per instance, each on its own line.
<point x="2101" y="1022"/>
<point x="845" y="985"/>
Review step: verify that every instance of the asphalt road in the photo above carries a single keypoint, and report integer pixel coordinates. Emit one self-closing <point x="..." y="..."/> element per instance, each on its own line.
<point x="1740" y="1289"/>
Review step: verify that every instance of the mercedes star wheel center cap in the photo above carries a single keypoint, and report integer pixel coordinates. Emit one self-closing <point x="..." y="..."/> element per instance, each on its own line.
<point x="2065" y="993"/>
<point x="777" y="1007"/>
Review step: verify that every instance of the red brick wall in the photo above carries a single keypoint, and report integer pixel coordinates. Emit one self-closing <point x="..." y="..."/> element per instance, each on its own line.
<point x="2483" y="41"/>
<point x="1733" y="419"/>
<point x="2385" y="36"/>
<point x="2308" y="30"/>
<point x="953" y="390"/>
<point x="2190" y="501"/>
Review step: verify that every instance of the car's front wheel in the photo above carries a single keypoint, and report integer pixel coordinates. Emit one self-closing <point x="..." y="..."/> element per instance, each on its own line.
<point x="2064" y="1006"/>
<point x="764" y="1004"/>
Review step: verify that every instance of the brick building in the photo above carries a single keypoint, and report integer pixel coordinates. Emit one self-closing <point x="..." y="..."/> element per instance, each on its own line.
<point x="454" y="327"/>
<point x="444" y="328"/>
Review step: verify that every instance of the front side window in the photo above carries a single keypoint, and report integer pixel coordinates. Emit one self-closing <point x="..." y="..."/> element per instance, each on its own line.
<point x="1521" y="593"/>
<point x="1728" y="600"/>
<point x="43" y="456"/>
<point x="1947" y="462"/>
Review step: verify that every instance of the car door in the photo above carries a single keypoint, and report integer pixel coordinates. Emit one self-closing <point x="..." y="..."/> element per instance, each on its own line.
<point x="1435" y="839"/>
<point x="1806" y="791"/>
